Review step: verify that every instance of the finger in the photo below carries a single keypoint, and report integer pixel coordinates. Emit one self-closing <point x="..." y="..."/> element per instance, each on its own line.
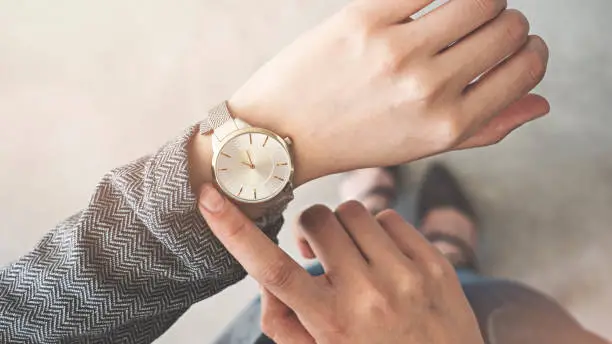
<point x="372" y="240"/>
<point x="304" y="248"/>
<point x="280" y="323"/>
<point x="527" y="109"/>
<point x="408" y="239"/>
<point x="330" y="242"/>
<point x="260" y="257"/>
<point x="302" y="243"/>
<point x="487" y="47"/>
<point x="455" y="20"/>
<point x="385" y="12"/>
<point x="507" y="83"/>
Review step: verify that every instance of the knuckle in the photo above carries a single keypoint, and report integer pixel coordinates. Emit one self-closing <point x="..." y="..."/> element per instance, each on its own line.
<point x="237" y="228"/>
<point x="389" y="57"/>
<point x="517" y="26"/>
<point x="411" y="285"/>
<point x="351" y="209"/>
<point x="358" y="17"/>
<point x="439" y="269"/>
<point x="446" y="131"/>
<point x="419" y="40"/>
<point x="377" y="304"/>
<point x="422" y="87"/>
<point x="490" y="8"/>
<point x="277" y="275"/>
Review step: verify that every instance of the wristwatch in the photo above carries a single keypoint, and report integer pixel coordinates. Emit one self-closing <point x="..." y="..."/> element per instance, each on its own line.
<point x="250" y="165"/>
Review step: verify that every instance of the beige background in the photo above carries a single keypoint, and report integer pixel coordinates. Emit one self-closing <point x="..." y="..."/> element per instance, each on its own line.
<point x="88" y="85"/>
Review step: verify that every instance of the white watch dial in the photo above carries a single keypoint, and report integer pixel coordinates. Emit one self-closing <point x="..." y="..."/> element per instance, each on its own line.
<point x="253" y="167"/>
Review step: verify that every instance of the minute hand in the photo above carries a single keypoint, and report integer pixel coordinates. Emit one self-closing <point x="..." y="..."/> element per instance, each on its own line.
<point x="250" y="160"/>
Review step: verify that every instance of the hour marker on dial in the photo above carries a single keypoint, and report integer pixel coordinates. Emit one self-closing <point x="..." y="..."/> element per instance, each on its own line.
<point x="282" y="164"/>
<point x="226" y="155"/>
<point x="239" y="192"/>
<point x="254" y="193"/>
<point x="279" y="178"/>
<point x="266" y="141"/>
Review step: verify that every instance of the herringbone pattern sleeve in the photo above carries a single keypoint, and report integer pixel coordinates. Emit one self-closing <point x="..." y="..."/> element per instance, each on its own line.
<point x="125" y="268"/>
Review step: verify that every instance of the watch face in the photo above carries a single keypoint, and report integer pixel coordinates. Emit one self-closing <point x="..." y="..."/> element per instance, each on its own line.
<point x="253" y="166"/>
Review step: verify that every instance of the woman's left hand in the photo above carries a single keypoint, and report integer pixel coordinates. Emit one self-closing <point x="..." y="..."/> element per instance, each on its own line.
<point x="370" y="87"/>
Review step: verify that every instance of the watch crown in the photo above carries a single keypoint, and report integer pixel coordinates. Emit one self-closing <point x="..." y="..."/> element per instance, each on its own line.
<point x="288" y="141"/>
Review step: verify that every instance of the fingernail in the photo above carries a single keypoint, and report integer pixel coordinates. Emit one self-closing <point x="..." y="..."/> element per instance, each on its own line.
<point x="210" y="199"/>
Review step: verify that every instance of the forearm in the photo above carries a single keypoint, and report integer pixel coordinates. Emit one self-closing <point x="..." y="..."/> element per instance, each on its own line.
<point x="136" y="258"/>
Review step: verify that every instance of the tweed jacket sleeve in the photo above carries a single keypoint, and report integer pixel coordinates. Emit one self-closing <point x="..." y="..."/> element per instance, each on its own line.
<point x="127" y="266"/>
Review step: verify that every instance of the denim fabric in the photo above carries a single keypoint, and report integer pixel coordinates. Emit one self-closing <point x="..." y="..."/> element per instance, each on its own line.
<point x="507" y="312"/>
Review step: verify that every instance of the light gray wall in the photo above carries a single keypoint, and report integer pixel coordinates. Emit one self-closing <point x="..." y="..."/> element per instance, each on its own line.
<point x="88" y="85"/>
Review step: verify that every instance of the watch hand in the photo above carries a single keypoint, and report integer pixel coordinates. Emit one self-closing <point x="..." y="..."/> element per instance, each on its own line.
<point x="250" y="161"/>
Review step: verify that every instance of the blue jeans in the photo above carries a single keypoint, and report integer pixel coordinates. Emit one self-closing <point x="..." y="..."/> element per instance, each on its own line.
<point x="466" y="276"/>
<point x="507" y="312"/>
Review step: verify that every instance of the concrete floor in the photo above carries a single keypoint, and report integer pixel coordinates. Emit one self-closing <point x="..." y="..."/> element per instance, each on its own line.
<point x="86" y="86"/>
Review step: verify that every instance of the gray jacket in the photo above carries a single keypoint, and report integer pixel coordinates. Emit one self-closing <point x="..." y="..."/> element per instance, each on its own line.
<point x="126" y="267"/>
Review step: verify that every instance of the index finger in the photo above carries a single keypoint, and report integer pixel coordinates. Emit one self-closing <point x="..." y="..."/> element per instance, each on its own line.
<point x="259" y="256"/>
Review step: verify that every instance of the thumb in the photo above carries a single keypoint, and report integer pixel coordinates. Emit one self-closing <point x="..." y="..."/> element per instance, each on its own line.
<point x="524" y="110"/>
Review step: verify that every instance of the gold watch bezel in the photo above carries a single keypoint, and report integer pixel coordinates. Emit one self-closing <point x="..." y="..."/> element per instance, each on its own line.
<point x="240" y="132"/>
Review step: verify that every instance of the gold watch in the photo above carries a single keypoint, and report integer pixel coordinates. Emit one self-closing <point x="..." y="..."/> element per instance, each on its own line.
<point x="250" y="165"/>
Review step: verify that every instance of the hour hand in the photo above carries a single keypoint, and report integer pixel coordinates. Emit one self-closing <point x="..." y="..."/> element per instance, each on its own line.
<point x="247" y="164"/>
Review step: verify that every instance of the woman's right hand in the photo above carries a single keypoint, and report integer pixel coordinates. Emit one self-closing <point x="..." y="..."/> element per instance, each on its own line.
<point x="383" y="283"/>
<point x="371" y="87"/>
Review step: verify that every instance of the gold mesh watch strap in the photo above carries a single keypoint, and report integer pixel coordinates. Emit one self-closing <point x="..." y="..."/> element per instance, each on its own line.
<point x="217" y="116"/>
